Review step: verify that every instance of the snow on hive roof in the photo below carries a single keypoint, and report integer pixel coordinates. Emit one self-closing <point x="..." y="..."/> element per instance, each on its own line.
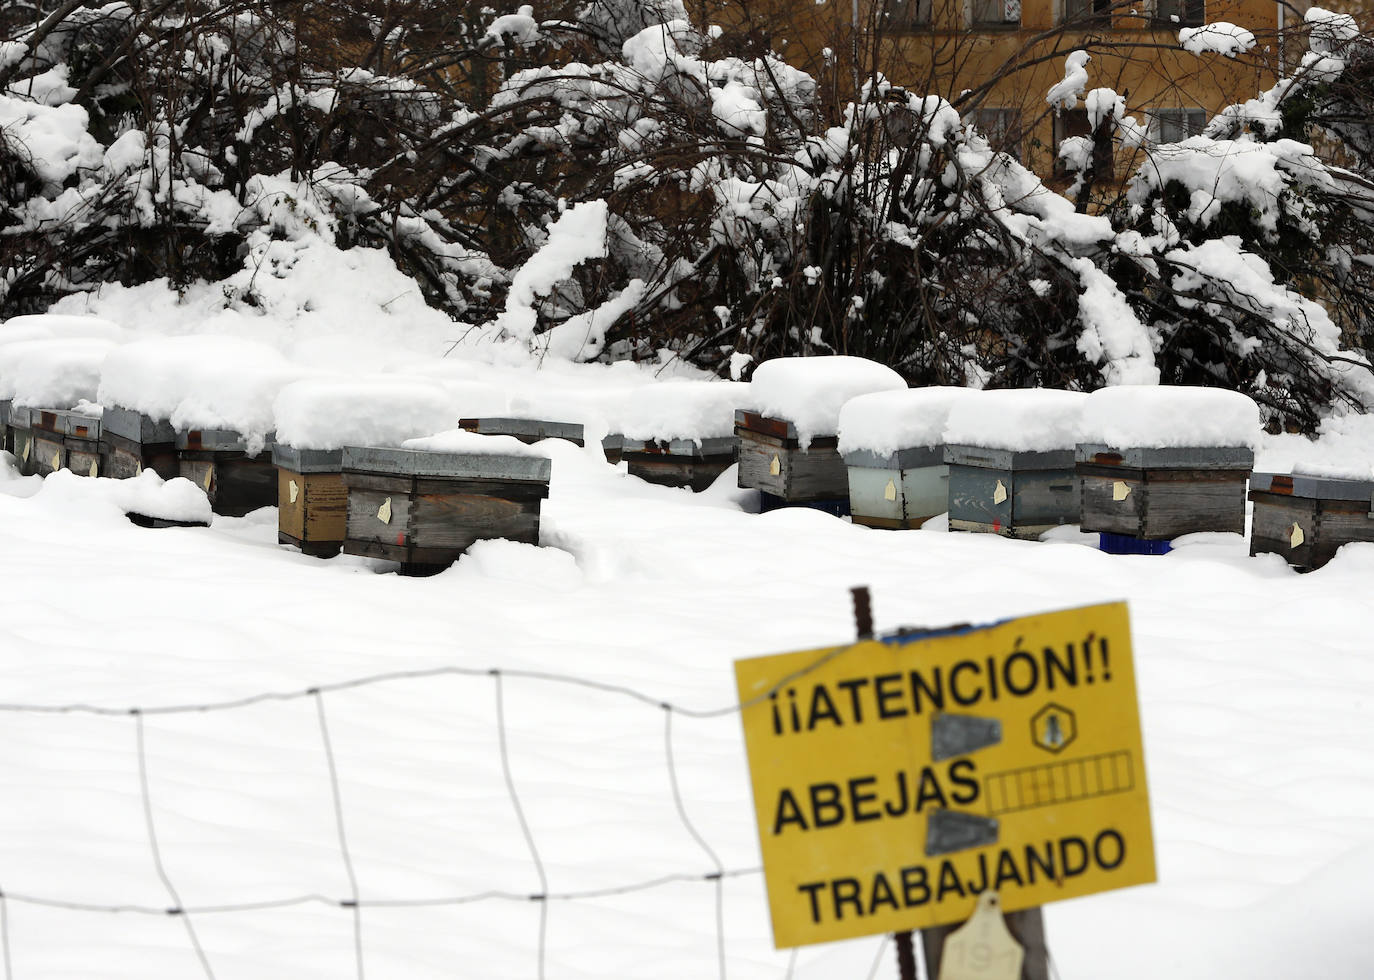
<point x="369" y="410"/>
<point x="885" y="422"/>
<point x="684" y="410"/>
<point x="465" y="443"/>
<point x="200" y="382"/>
<point x="1169" y="416"/>
<point x="1017" y="419"/>
<point x="52" y="373"/>
<point x="810" y="391"/>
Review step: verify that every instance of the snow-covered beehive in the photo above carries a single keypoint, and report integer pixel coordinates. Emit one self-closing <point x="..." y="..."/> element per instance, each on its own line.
<point x="532" y="430"/>
<point x="426" y="503"/>
<point x="64" y="440"/>
<point x="1011" y="458"/>
<point x="1307" y="516"/>
<point x="893" y="444"/>
<point x="788" y="440"/>
<point x="133" y="442"/>
<point x="681" y="434"/>
<point x="1156" y="462"/>
<point x="237" y="475"/>
<point x="45" y="374"/>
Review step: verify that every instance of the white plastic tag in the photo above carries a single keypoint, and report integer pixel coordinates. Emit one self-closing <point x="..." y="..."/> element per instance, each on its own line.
<point x="775" y="467"/>
<point x="95" y="470"/>
<point x="56" y="461"/>
<point x="1120" y="491"/>
<point x="982" y="948"/>
<point x="293" y="490"/>
<point x="999" y="493"/>
<point x="384" y="511"/>
<point x="209" y="475"/>
<point x="890" y="491"/>
<point x="1295" y="535"/>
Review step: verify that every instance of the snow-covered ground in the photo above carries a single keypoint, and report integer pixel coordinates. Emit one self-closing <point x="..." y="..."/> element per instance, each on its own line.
<point x="1257" y="691"/>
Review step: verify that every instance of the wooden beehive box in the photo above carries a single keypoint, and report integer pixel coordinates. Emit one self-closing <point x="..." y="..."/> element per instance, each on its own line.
<point x="1307" y="518"/>
<point x="530" y="431"/>
<point x="312" y="502"/>
<point x="65" y="440"/>
<point x="1013" y="493"/>
<point x="772" y="460"/>
<point x="1159" y="494"/>
<point x="133" y="442"/>
<point x="424" y="509"/>
<point x="900" y="490"/>
<point x="695" y="464"/>
<point x="217" y="461"/>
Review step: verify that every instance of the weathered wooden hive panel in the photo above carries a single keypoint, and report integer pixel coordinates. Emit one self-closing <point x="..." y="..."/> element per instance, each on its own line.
<point x="1307" y="518"/>
<point x="679" y="462"/>
<point x="1015" y="494"/>
<point x="133" y="442"/>
<point x="65" y="440"/>
<point x="898" y="491"/>
<point x="6" y="436"/>
<point x="771" y="459"/>
<point x="424" y="509"/>
<point x="530" y="431"/>
<point x="1159" y="494"/>
<point x="312" y="501"/>
<point x="217" y="461"/>
<point x="21" y="438"/>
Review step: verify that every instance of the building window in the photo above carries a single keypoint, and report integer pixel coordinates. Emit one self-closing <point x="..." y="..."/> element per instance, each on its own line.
<point x="1074" y="122"/>
<point x="1176" y="125"/>
<point x="905" y="14"/>
<point x="1180" y="13"/>
<point x="1001" y="128"/>
<point x="996" y="13"/>
<point x="1088" y="13"/>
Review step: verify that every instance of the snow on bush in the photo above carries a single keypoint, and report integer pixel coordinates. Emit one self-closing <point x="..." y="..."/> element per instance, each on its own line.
<point x="885" y="422"/>
<point x="1169" y="416"/>
<point x="810" y="391"/>
<point x="1219" y="37"/>
<point x="1021" y="420"/>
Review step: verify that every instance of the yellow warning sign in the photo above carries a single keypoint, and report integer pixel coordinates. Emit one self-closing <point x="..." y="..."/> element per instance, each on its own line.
<point x="895" y="780"/>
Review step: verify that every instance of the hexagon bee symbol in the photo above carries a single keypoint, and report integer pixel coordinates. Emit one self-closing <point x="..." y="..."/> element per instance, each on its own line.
<point x="1053" y="728"/>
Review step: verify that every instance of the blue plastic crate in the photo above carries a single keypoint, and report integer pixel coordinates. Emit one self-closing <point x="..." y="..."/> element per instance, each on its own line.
<point x="1125" y="544"/>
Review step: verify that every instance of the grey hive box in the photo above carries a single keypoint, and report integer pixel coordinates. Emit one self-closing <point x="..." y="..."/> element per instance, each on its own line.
<point x="530" y="431"/>
<point x="1159" y="494"/>
<point x="312" y="501"/>
<point x="679" y="462"/>
<point x="898" y="491"/>
<point x="424" y="509"/>
<point x="1307" y="518"/>
<point x="1015" y="494"/>
<point x="133" y="442"/>
<point x="64" y="440"/>
<point x="217" y="461"/>
<point x="6" y="440"/>
<point x="771" y="460"/>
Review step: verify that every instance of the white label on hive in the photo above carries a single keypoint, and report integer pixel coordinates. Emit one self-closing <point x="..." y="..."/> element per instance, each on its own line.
<point x="982" y="948"/>
<point x="1120" y="491"/>
<point x="1295" y="535"/>
<point x="890" y="491"/>
<point x="95" y="470"/>
<point x="209" y="475"/>
<point x="139" y="471"/>
<point x="999" y="493"/>
<point x="775" y="467"/>
<point x="294" y="490"/>
<point x="28" y="446"/>
<point x="384" y="511"/>
<point x="57" y="461"/>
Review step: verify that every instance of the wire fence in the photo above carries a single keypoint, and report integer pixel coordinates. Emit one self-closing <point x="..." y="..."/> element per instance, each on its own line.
<point x="354" y="901"/>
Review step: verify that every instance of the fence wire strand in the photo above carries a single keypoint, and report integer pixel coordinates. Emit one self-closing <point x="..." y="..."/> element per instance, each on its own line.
<point x="543" y="897"/>
<point x="337" y="795"/>
<point x="156" y="849"/>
